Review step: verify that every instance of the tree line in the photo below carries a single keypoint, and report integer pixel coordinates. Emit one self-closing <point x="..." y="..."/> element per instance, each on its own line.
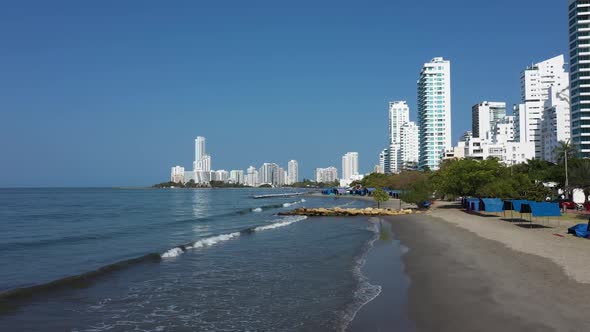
<point x="491" y="178"/>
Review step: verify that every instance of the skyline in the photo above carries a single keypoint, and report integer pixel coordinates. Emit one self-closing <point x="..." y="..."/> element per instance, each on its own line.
<point x="111" y="121"/>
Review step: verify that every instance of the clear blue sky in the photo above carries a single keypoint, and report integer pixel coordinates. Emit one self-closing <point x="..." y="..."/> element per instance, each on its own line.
<point x="108" y="93"/>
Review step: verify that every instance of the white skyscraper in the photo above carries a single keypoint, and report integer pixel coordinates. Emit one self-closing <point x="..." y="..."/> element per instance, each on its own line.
<point x="221" y="175"/>
<point x="252" y="177"/>
<point x="434" y="112"/>
<point x="384" y="160"/>
<point x="202" y="163"/>
<point x="177" y="174"/>
<point x="293" y="172"/>
<point x="484" y="117"/>
<point x="270" y="173"/>
<point x="409" y="146"/>
<point x="556" y="123"/>
<point x="399" y="114"/>
<point x="503" y="131"/>
<point x="536" y="80"/>
<point x="350" y="165"/>
<point x="199" y="148"/>
<point x="236" y="176"/>
<point x="324" y="175"/>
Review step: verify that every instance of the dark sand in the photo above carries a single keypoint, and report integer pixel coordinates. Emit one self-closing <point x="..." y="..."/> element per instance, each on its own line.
<point x="462" y="282"/>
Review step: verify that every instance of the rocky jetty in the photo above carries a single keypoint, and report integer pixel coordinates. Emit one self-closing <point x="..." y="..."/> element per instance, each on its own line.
<point x="339" y="212"/>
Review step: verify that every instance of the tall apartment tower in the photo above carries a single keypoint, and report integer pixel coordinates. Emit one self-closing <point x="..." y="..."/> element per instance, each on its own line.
<point x="350" y="165"/>
<point x="434" y="112"/>
<point x="579" y="34"/>
<point x="536" y="81"/>
<point x="485" y="116"/>
<point x="202" y="163"/>
<point x="409" y="146"/>
<point x="556" y="125"/>
<point x="399" y="114"/>
<point x="292" y="172"/>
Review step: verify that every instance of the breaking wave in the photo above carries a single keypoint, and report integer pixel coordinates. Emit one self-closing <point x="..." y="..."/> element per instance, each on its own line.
<point x="210" y="241"/>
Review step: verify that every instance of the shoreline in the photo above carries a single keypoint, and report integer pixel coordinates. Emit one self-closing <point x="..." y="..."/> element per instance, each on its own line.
<point x="467" y="274"/>
<point x="382" y="268"/>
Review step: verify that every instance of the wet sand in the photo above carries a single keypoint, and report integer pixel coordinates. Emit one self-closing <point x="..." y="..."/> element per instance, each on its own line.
<point x="384" y="267"/>
<point x="460" y="281"/>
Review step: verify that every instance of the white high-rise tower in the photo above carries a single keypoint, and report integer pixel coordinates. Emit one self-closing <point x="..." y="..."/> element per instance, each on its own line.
<point x="434" y="112"/>
<point x="536" y="81"/>
<point x="485" y="116"/>
<point x="202" y="163"/>
<point x="350" y="165"/>
<point x="292" y="172"/>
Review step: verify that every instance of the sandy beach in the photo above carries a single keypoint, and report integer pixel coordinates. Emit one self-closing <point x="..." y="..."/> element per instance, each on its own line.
<point x="476" y="273"/>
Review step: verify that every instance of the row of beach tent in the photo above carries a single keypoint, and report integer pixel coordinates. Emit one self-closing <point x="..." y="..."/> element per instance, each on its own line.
<point x="535" y="209"/>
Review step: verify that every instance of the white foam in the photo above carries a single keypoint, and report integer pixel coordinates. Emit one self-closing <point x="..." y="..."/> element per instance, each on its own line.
<point x="287" y="222"/>
<point x="294" y="203"/>
<point x="257" y="210"/>
<point x="214" y="240"/>
<point x="174" y="252"/>
<point x="366" y="292"/>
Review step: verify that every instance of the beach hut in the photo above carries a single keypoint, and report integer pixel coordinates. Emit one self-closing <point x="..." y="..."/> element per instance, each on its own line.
<point x="473" y="204"/>
<point x="540" y="209"/>
<point x="492" y="205"/>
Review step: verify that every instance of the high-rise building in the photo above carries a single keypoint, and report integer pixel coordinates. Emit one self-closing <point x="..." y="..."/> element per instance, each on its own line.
<point x="292" y="172"/>
<point x="556" y="123"/>
<point x="409" y="146"/>
<point x="177" y="174"/>
<point x="280" y="177"/>
<point x="403" y="139"/>
<point x="579" y="39"/>
<point x="503" y="130"/>
<point x="384" y="160"/>
<point x="236" y="176"/>
<point x="434" y="112"/>
<point x="220" y="175"/>
<point x="399" y="114"/>
<point x="350" y="165"/>
<point x="202" y="163"/>
<point x="271" y="173"/>
<point x="324" y="175"/>
<point x="485" y="116"/>
<point x="252" y="177"/>
<point x="200" y="151"/>
<point x="536" y="81"/>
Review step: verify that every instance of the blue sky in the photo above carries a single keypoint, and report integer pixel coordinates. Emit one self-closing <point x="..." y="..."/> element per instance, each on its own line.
<point x="113" y="93"/>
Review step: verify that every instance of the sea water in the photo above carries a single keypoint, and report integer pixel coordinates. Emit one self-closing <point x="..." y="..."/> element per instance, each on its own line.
<point x="177" y="260"/>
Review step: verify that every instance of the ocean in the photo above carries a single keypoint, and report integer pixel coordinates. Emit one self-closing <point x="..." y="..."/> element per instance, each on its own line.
<point x="178" y="260"/>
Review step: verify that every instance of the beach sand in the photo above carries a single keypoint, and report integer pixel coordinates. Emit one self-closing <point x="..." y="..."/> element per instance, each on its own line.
<point x="473" y="273"/>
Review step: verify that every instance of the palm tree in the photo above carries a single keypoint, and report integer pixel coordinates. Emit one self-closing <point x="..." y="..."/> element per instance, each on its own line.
<point x="564" y="151"/>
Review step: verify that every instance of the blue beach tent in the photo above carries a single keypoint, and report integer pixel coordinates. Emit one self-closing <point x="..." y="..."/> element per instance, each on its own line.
<point x="514" y="204"/>
<point x="492" y="204"/>
<point x="473" y="204"/>
<point x="545" y="209"/>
